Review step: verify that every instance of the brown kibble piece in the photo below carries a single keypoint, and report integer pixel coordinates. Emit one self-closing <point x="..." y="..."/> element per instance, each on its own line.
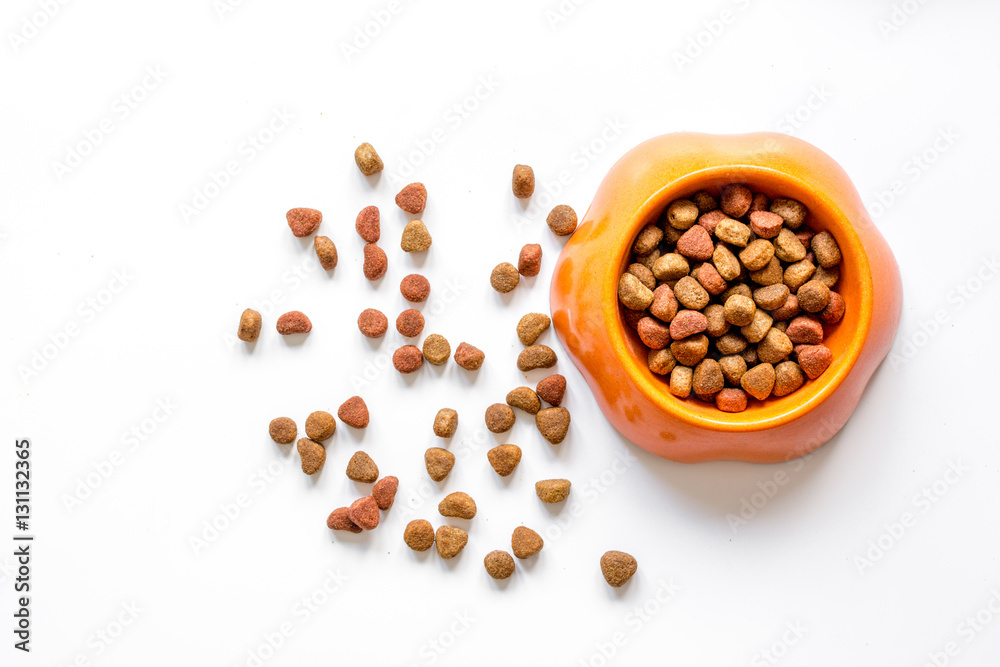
<point x="798" y="274"/>
<point x="361" y="468"/>
<point x="523" y="181"/>
<point x="552" y="389"/>
<point x="368" y="224"/>
<point x="529" y="262"/>
<point x="618" y="566"/>
<point x="726" y="263"/>
<point x="525" y="542"/>
<point x="562" y="220"/>
<point x="758" y="327"/>
<point x="765" y="224"/>
<point x="771" y="297"/>
<point x="412" y="198"/>
<point x="282" y="430"/>
<point x="671" y="266"/>
<point x="653" y="333"/>
<point x="805" y="330"/>
<point x="438" y="462"/>
<point x="788" y="310"/>
<point x="704" y="201"/>
<point x="813" y="296"/>
<point x="644" y="274"/>
<point x="696" y="243"/>
<point x="376" y="263"/>
<point x="536" y="356"/>
<point x="733" y="367"/>
<point x="828" y="277"/>
<point x="326" y="252"/>
<point x="437" y="349"/>
<point x="825" y="247"/>
<point x="531" y="326"/>
<point x="690" y="293"/>
<point x="419" y="535"/>
<point x="313" y="455"/>
<point x="707" y="378"/>
<point x="450" y="541"/>
<point x="814" y="359"/>
<point x="687" y="323"/>
<point x="524" y="398"/>
<point x="504" y="277"/>
<point x="373" y="323"/>
<point x="792" y="212"/>
<point x="499" y="564"/>
<point x="711" y="220"/>
<point x="293" y="322"/>
<point x="459" y="505"/>
<point x="774" y="347"/>
<point x="553" y="424"/>
<point x="552" y="490"/>
<point x="757" y="254"/>
<point x="709" y="278"/>
<point x="320" y="426"/>
<point x="407" y="359"/>
<point x="691" y="350"/>
<point x="340" y="519"/>
<point x="633" y="294"/>
<point x="739" y="310"/>
<point x="250" y="324"/>
<point x="410" y="323"/>
<point x="788" y="377"/>
<point x="364" y="513"/>
<point x="682" y="214"/>
<point x="415" y="237"/>
<point x="499" y="418"/>
<point x="384" y="492"/>
<point x="730" y="343"/>
<point x="415" y="288"/>
<point x="303" y="221"/>
<point x="354" y="412"/>
<point x="445" y="423"/>
<point x="680" y="381"/>
<point x="759" y="381"/>
<point x="649" y="260"/>
<point x="733" y="232"/>
<point x="771" y="274"/>
<point x="760" y="203"/>
<point x="731" y="400"/>
<point x="647" y="239"/>
<point x="367" y="159"/>
<point x="504" y="458"/>
<point x="788" y="247"/>
<point x="735" y="200"/>
<point x="469" y="357"/>
<point x="834" y="310"/>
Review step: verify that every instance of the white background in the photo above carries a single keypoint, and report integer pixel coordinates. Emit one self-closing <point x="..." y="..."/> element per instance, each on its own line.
<point x="875" y="95"/>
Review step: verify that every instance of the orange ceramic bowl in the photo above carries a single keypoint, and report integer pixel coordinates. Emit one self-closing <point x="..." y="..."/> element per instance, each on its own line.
<point x="588" y="319"/>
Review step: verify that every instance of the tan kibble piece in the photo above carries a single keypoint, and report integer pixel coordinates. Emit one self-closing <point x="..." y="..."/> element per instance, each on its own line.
<point x="771" y="274"/>
<point x="617" y="568"/>
<point x="788" y="247"/>
<point x="320" y="425"/>
<point x="664" y="305"/>
<point x="774" y="347"/>
<point x="438" y="462"/>
<point x="648" y="238"/>
<point x="733" y="232"/>
<point x="644" y="274"/>
<point x="524" y="398"/>
<point x="504" y="277"/>
<point x="759" y="381"/>
<point x="529" y="261"/>
<point x="680" y="381"/>
<point x="283" y="430"/>
<point x="499" y="418"/>
<point x="733" y="367"/>
<point x="523" y="181"/>
<point x="735" y="200"/>
<point x="326" y="252"/>
<point x="707" y="378"/>
<point x="780" y="326"/>
<point x="313" y="455"/>
<point x="730" y="343"/>
<point x="671" y="266"/>
<point x="536" y="356"/>
<point x="750" y="355"/>
<point x="499" y="564"/>
<point x="504" y="458"/>
<point x="825" y="247"/>
<point x="671" y="235"/>
<point x="726" y="263"/>
<point x="798" y="274"/>
<point x="813" y="296"/>
<point x="758" y="327"/>
<point x="450" y="541"/>
<point x="791" y="211"/>
<point x="553" y="424"/>
<point x="436" y="349"/>
<point x="788" y="378"/>
<point x="562" y="220"/>
<point x="682" y="214"/>
<point x="525" y="542"/>
<point x="661" y="362"/>
<point x="469" y="357"/>
<point x="771" y="297"/>
<point x="250" y="325"/>
<point x="445" y="423"/>
<point x="705" y="201"/>
<point x="367" y="159"/>
<point x="716" y="316"/>
<point x="633" y="294"/>
<point x="416" y="238"/>
<point x="459" y="505"/>
<point x="552" y="490"/>
<point x="691" y="350"/>
<point x="691" y="294"/>
<point x="419" y="535"/>
<point x="828" y="277"/>
<point x="531" y="326"/>
<point x="757" y="254"/>
<point x="361" y="468"/>
<point x="739" y="310"/>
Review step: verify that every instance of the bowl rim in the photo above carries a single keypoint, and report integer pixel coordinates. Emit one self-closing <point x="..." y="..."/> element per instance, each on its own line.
<point x="806" y="398"/>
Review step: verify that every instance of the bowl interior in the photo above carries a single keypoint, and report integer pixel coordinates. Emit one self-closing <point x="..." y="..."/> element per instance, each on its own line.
<point x="845" y="339"/>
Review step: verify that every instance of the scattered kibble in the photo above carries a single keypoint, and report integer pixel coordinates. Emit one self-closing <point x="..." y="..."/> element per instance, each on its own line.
<point x="415" y="237"/>
<point x="499" y="564"/>
<point x="524" y="398"/>
<point x="410" y="323"/>
<point x="283" y="430"/>
<point x="376" y="262"/>
<point x="499" y="418"/>
<point x="361" y="468"/>
<point x="250" y="324"/>
<point x="313" y="455"/>
<point x="504" y="458"/>
<point x="552" y="389"/>
<point x="415" y="288"/>
<point x="384" y="492"/>
<point x="529" y="262"/>
<point x="412" y="198"/>
<point x="469" y="357"/>
<point x="364" y="513"/>
<point x="438" y="462"/>
<point x="373" y="323"/>
<point x="320" y="426"/>
<point x="293" y="322"/>
<point x="536" y="356"/>
<point x="367" y="159"/>
<point x="419" y="535"/>
<point x="340" y="519"/>
<point x="523" y="181"/>
<point x="459" y="505"/>
<point x="368" y="224"/>
<point x="618" y="567"/>
<point x="303" y="221"/>
<point x="504" y="277"/>
<point x="354" y="412"/>
<point x="525" y="542"/>
<point x="562" y="220"/>
<point x="531" y="326"/>
<point x="450" y="541"/>
<point x="436" y="349"/>
<point x="553" y="424"/>
<point x="445" y="423"/>
<point x="552" y="490"/>
<point x="407" y="359"/>
<point x="326" y="252"/>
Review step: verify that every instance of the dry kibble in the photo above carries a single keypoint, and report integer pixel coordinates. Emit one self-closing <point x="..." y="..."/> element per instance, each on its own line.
<point x="749" y="355"/>
<point x="788" y="247"/>
<point x="664" y="305"/>
<point x="459" y="505"/>
<point x="644" y="274"/>
<point x="326" y="252"/>
<point x="788" y="310"/>
<point x="552" y="490"/>
<point x="525" y="542"/>
<point x="726" y="263"/>
<point x="633" y="294"/>
<point x="552" y="389"/>
<point x="303" y="221"/>
<point x="653" y="333"/>
<point x="730" y="343"/>
<point x="250" y="324"/>
<point x="691" y="294"/>
<point x="765" y="224"/>
<point x="293" y="322"/>
<point x="368" y="224"/>
<point x="618" y="567"/>
<point x="340" y="519"/>
<point x="445" y="423"/>
<point x="757" y="254"/>
<point x="436" y="349"/>
<point x="367" y="159"/>
<point x="741" y="289"/>
<point x="562" y="220"/>
<point x="536" y="356"/>
<point x="313" y="455"/>
<point x="687" y="323"/>
<point x="282" y="430"/>
<point x="731" y="400"/>
<point x="376" y="263"/>
<point x="787" y="378"/>
<point x="649" y="260"/>
<point x="680" y="381"/>
<point x="438" y="462"/>
<point x="771" y="274"/>
<point x="682" y="214"/>
<point x="805" y="330"/>
<point x="760" y="203"/>
<point x="364" y="513"/>
<point x="553" y="424"/>
<point x="661" y="362"/>
<point x="361" y="468"/>
<point x="735" y="200"/>
<point x="529" y="261"/>
<point x="771" y="297"/>
<point x="524" y="398"/>
<point x="523" y="181"/>
<point x="733" y="232"/>
<point x="410" y="323"/>
<point x="798" y="274"/>
<point x="814" y="359"/>
<point x="705" y="201"/>
<point x="696" y="243"/>
<point x="504" y="458"/>
<point x="373" y="323"/>
<point x="707" y="378"/>
<point x="834" y="310"/>
<point x="649" y="237"/>
<point x="691" y="350"/>
<point x="758" y="327"/>
<point x="407" y="359"/>
<point x="450" y="541"/>
<point x="813" y="296"/>
<point x="504" y="277"/>
<point x="828" y="277"/>
<point x="671" y="267"/>
<point x="412" y="198"/>
<point x="415" y="237"/>
<point x="709" y="277"/>
<point x="739" y="310"/>
<point x="415" y="288"/>
<point x="825" y="247"/>
<point x="531" y="326"/>
<point x="632" y="317"/>
<point x="711" y="219"/>
<point x="733" y="367"/>
<point x="354" y="412"/>
<point x="499" y="418"/>
<point x="384" y="492"/>
<point x="717" y="324"/>
<point x="499" y="564"/>
<point x="320" y="426"/>
<point x="419" y="535"/>
<point x="793" y="213"/>
<point x="469" y="357"/>
<point x="774" y="347"/>
<point x="759" y="381"/>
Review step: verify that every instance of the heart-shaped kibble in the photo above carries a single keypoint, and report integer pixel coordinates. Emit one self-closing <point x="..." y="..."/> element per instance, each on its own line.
<point x="303" y="221"/>
<point x="354" y="412"/>
<point x="553" y="424"/>
<point x="412" y="198"/>
<point x="361" y="468"/>
<point x="525" y="542"/>
<point x="618" y="567"/>
<point x="364" y="513"/>
<point x="552" y="389"/>
<point x="504" y="458"/>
